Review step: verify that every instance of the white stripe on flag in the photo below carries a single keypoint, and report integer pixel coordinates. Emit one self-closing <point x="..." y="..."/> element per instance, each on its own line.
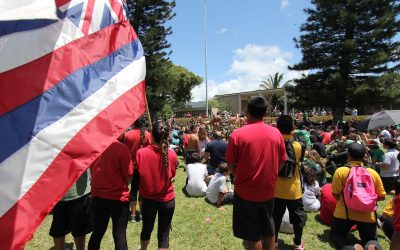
<point x="33" y="44"/>
<point x="27" y="9"/>
<point x="22" y="169"/>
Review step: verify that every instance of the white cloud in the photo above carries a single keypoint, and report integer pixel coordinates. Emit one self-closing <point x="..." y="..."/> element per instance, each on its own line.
<point x="221" y="31"/>
<point x="250" y="66"/>
<point x="284" y="4"/>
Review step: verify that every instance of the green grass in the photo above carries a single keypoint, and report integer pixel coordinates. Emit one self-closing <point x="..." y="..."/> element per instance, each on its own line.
<point x="199" y="225"/>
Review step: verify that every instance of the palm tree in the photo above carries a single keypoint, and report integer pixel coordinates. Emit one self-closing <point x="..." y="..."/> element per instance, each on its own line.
<point x="274" y="82"/>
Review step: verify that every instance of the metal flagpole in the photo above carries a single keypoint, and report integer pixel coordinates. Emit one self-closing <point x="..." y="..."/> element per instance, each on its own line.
<point x="205" y="53"/>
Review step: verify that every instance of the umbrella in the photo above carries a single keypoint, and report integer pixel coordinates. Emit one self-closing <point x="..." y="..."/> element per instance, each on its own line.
<point x="380" y="119"/>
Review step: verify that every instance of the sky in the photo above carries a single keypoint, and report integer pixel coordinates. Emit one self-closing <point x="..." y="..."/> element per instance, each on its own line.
<point x="247" y="41"/>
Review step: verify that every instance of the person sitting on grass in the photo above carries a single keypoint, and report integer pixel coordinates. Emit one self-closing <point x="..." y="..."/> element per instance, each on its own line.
<point x="217" y="191"/>
<point x="196" y="172"/>
<point x="344" y="217"/>
<point x="311" y="192"/>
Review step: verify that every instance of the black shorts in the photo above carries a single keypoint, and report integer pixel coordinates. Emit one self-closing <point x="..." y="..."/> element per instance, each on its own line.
<point x="252" y="220"/>
<point x="389" y="183"/>
<point x="133" y="194"/>
<point x="72" y="217"/>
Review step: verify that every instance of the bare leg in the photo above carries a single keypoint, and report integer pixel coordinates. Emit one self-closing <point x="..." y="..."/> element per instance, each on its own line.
<point x="80" y="242"/>
<point x="133" y="209"/>
<point x="255" y="245"/>
<point x="59" y="243"/>
<point x="269" y="242"/>
<point x="144" y="244"/>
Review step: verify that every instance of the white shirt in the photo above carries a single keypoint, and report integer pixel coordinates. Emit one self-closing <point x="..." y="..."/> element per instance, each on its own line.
<point x="216" y="186"/>
<point x="310" y="201"/>
<point x="196" y="173"/>
<point x="391" y="160"/>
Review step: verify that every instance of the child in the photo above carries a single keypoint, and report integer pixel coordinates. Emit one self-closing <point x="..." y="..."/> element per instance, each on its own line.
<point x="310" y="199"/>
<point x="217" y="192"/>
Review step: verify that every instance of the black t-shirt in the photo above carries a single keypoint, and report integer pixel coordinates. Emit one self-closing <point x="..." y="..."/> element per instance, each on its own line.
<point x="217" y="149"/>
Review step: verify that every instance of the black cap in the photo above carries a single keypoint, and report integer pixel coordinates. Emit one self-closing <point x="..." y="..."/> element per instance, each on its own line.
<point x="356" y="151"/>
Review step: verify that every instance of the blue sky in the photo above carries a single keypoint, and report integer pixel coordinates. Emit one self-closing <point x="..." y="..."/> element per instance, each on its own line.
<point x="247" y="40"/>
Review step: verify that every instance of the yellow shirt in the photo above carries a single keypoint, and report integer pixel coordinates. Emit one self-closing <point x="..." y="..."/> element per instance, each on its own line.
<point x="389" y="209"/>
<point x="338" y="184"/>
<point x="290" y="188"/>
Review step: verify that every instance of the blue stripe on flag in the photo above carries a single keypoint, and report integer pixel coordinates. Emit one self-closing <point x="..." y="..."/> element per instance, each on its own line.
<point x="14" y="26"/>
<point x="106" y="19"/>
<point x="20" y="125"/>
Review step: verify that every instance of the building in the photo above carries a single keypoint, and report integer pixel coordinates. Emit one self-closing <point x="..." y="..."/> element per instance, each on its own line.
<point x="238" y="101"/>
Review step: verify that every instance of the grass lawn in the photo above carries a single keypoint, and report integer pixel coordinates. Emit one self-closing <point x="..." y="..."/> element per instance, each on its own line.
<point x="199" y="225"/>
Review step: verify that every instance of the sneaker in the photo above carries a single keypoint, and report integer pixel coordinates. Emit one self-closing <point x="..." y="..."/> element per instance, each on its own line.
<point x="132" y="218"/>
<point x="379" y="223"/>
<point x="299" y="247"/>
<point x="138" y="217"/>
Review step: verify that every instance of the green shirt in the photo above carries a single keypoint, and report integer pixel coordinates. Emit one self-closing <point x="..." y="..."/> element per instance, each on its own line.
<point x="305" y="135"/>
<point x="378" y="155"/>
<point x="79" y="189"/>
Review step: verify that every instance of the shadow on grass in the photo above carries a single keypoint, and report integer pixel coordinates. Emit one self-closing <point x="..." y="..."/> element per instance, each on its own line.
<point x="67" y="246"/>
<point x="351" y="239"/>
<point x="281" y="245"/>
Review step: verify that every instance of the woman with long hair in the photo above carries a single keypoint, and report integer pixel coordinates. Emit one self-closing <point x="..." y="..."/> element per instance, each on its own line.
<point x="157" y="167"/>
<point x="314" y="162"/>
<point x="136" y="138"/>
<point x="311" y="191"/>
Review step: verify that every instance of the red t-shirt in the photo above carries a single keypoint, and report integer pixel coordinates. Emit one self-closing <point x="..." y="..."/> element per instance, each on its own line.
<point x="257" y="149"/>
<point x="132" y="140"/>
<point x="328" y="204"/>
<point x="153" y="180"/>
<point x="326" y="137"/>
<point x="109" y="173"/>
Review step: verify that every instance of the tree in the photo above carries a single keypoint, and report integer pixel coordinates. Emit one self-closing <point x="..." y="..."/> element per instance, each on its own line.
<point x="347" y="45"/>
<point x="221" y="106"/>
<point x="274" y="82"/>
<point x="166" y="83"/>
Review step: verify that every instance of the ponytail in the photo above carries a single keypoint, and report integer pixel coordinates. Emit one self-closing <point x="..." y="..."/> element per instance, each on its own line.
<point x="160" y="134"/>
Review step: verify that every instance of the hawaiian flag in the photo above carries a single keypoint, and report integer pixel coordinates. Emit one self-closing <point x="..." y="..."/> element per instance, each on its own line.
<point x="70" y="83"/>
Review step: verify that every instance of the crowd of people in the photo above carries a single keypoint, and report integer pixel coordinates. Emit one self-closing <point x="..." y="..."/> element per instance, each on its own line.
<point x="273" y="174"/>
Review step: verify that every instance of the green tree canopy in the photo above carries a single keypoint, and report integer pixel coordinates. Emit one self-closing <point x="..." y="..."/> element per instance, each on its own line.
<point x="166" y="82"/>
<point x="348" y="46"/>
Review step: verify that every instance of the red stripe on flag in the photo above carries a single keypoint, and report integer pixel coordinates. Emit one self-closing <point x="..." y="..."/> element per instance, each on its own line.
<point x="45" y="72"/>
<point x="19" y="223"/>
<point x="117" y="8"/>
<point x="60" y="3"/>
<point x="88" y="16"/>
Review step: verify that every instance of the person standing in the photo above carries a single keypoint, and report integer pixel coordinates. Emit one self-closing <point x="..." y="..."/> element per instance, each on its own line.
<point x="255" y="154"/>
<point x="288" y="192"/>
<point x="111" y="175"/>
<point x="157" y="165"/>
<point x="72" y="215"/>
<point x="136" y="138"/>
<point x="389" y="168"/>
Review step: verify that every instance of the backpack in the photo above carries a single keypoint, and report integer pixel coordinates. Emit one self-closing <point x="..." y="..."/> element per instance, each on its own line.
<point x="289" y="168"/>
<point x="359" y="191"/>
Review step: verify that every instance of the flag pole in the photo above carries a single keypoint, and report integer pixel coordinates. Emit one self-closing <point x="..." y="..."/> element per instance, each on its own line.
<point x="205" y="53"/>
<point x="148" y="115"/>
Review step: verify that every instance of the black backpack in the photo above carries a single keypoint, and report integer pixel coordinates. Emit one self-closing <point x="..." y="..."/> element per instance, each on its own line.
<point x="289" y="168"/>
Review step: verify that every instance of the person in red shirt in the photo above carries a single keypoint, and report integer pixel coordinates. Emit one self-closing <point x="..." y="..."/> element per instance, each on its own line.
<point x="135" y="139"/>
<point x="111" y="174"/>
<point x="328" y="204"/>
<point x="157" y="165"/>
<point x="255" y="154"/>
